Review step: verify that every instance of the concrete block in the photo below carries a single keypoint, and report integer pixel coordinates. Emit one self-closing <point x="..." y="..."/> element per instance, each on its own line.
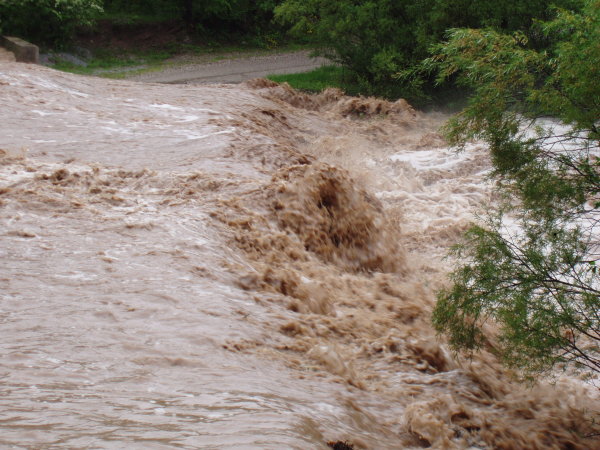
<point x="23" y="50"/>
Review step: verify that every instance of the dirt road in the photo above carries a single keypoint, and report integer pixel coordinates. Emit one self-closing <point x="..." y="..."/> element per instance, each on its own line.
<point x="235" y="69"/>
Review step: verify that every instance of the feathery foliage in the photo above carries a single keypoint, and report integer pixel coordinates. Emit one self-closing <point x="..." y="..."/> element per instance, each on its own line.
<point x="538" y="110"/>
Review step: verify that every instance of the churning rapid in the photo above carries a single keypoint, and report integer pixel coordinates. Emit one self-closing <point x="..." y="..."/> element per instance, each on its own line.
<point x="241" y="267"/>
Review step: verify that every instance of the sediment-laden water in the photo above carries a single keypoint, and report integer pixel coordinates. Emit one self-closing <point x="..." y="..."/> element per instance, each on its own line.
<point x="241" y="267"/>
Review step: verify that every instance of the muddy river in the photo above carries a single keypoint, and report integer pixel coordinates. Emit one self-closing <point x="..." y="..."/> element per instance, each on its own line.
<point x="241" y="267"/>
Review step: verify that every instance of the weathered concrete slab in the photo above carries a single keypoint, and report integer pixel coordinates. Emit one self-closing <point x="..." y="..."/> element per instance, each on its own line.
<point x="23" y="50"/>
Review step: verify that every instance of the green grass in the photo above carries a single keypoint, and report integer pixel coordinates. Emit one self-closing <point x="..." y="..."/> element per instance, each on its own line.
<point x="319" y="79"/>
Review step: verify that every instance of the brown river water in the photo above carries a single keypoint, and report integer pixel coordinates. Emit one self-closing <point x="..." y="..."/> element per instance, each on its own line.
<point x="241" y="267"/>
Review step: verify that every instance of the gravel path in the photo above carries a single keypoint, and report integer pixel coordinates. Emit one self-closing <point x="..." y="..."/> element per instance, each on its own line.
<point x="234" y="70"/>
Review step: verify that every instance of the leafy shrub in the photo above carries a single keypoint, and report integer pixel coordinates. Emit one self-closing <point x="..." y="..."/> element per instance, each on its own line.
<point x="379" y="39"/>
<point x="46" y="21"/>
<point x="208" y="16"/>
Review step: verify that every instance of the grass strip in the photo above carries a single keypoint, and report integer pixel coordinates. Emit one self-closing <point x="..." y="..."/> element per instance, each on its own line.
<point x="319" y="79"/>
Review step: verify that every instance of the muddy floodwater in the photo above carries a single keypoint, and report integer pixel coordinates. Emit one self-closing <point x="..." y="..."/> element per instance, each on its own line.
<point x="241" y="267"/>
